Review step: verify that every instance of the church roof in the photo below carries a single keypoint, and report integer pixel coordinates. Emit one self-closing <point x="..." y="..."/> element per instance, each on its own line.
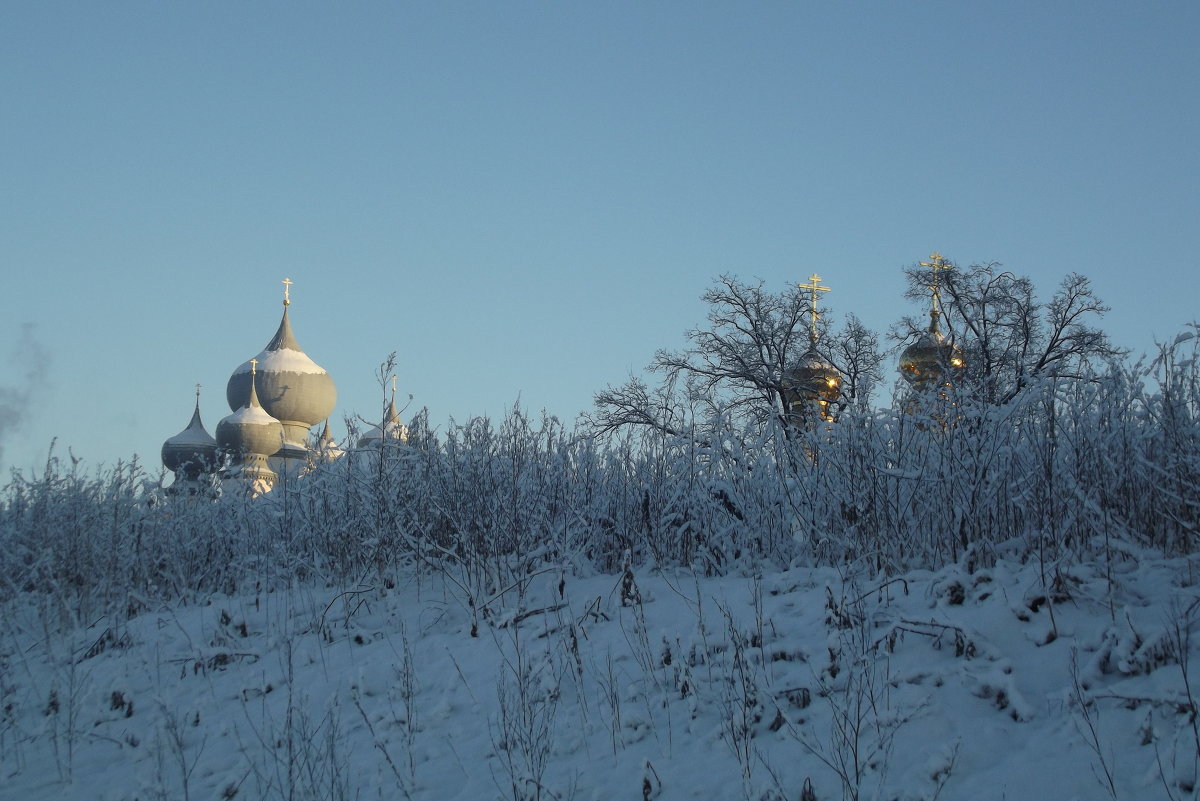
<point x="193" y="449"/>
<point x="291" y="387"/>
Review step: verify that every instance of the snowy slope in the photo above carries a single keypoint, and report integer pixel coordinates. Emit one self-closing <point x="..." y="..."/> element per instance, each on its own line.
<point x="1011" y="682"/>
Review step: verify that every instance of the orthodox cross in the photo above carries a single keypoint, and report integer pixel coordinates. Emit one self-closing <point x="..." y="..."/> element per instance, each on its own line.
<point x="287" y="284"/>
<point x="813" y="288"/>
<point x="197" y="393"/>
<point x="393" y="389"/>
<point x="935" y="263"/>
<point x="253" y="367"/>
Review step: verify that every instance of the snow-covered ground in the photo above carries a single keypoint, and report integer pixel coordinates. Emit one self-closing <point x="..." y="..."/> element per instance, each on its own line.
<point x="1006" y="683"/>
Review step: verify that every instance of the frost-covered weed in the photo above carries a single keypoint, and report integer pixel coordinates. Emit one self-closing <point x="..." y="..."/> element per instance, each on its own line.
<point x="1061" y="472"/>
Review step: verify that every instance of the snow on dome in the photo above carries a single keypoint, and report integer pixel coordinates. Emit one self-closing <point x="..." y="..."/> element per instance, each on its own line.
<point x="395" y="432"/>
<point x="284" y="360"/>
<point x="251" y="416"/>
<point x="812" y="378"/>
<point x="251" y="434"/>
<point x="812" y="360"/>
<point x="930" y="359"/>
<point x="193" y="450"/>
<point x="291" y="387"/>
<point x="191" y="436"/>
<point x="390" y="430"/>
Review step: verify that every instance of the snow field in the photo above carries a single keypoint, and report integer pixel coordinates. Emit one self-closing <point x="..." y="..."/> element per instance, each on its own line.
<point x="996" y="684"/>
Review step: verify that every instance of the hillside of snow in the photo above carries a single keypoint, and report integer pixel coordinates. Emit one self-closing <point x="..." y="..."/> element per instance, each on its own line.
<point x="1002" y="682"/>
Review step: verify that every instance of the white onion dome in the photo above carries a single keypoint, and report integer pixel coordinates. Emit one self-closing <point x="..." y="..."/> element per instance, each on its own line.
<point x="931" y="359"/>
<point x="291" y="387"/>
<point x="251" y="435"/>
<point x="391" y="430"/>
<point x="812" y="378"/>
<point x="192" y="451"/>
<point x="327" y="448"/>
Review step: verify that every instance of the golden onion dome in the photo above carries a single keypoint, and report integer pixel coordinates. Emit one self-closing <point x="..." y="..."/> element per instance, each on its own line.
<point x="811" y="385"/>
<point x="813" y="378"/>
<point x="932" y="358"/>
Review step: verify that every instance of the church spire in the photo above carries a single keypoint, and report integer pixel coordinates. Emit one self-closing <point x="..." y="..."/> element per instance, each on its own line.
<point x="284" y="339"/>
<point x="253" y="392"/>
<point x="936" y="263"/>
<point x="812" y="384"/>
<point x="813" y="286"/>
<point x="932" y="361"/>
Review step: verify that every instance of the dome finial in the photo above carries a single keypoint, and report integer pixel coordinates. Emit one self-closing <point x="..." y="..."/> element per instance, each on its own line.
<point x="197" y="395"/>
<point x="813" y="288"/>
<point x="393" y="390"/>
<point x="253" y="400"/>
<point x="287" y="284"/>
<point x="935" y="263"/>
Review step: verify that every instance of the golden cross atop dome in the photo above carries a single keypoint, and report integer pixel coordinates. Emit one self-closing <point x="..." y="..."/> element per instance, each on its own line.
<point x="814" y="288"/>
<point x="253" y="367"/>
<point x="287" y="284"/>
<point x="936" y="263"/>
<point x="393" y="389"/>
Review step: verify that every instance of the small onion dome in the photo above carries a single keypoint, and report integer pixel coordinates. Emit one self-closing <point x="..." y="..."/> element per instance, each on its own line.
<point x="812" y="380"/>
<point x="192" y="451"/>
<point x="291" y="387"/>
<point x="326" y="449"/>
<point x="929" y="359"/>
<point x="391" y="430"/>
<point x="250" y="435"/>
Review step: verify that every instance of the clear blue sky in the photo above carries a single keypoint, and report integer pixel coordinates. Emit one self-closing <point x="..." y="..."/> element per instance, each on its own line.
<point x="527" y="199"/>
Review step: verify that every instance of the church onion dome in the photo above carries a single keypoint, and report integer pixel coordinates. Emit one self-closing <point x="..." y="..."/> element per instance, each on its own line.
<point x="250" y="435"/>
<point x="812" y="381"/>
<point x="326" y="448"/>
<point x="291" y="387"/>
<point x="931" y="359"/>
<point x="391" y="430"/>
<point x="813" y="378"/>
<point x="192" y="451"/>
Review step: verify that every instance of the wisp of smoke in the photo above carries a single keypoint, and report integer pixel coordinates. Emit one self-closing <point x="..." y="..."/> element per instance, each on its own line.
<point x="31" y="359"/>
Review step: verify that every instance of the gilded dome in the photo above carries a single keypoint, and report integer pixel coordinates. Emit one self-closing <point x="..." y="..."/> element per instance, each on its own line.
<point x="813" y="378"/>
<point x="931" y="358"/>
<point x="810" y="386"/>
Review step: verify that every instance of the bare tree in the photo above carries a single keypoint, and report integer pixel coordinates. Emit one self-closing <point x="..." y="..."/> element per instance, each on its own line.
<point x="854" y="351"/>
<point x="752" y="338"/>
<point x="634" y="404"/>
<point x="738" y="363"/>
<point x="1009" y="337"/>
